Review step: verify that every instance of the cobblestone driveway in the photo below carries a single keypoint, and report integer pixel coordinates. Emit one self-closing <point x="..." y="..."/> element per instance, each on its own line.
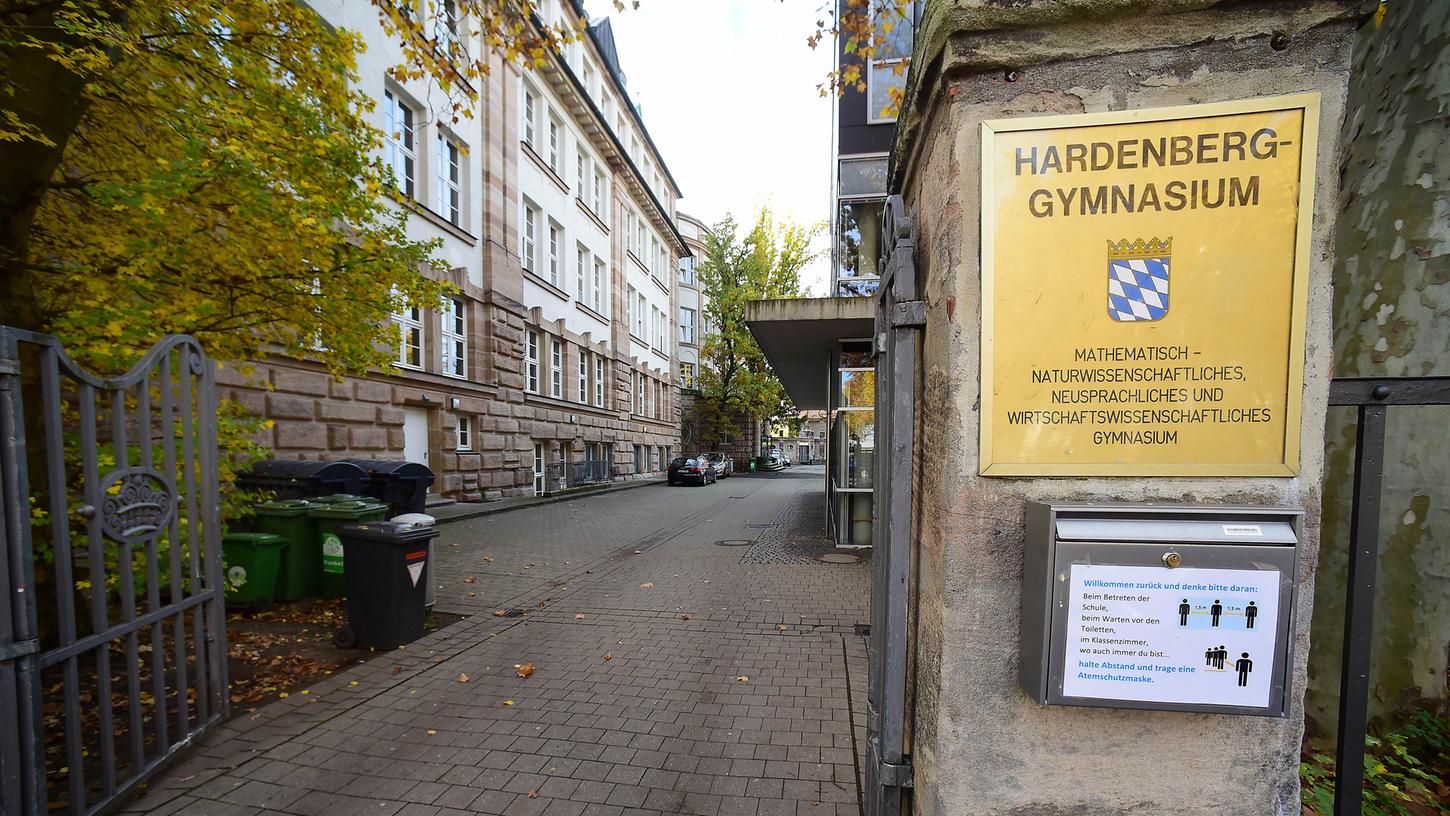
<point x="683" y="678"/>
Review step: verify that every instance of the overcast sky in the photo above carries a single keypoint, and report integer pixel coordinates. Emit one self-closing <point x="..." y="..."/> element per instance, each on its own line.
<point x="728" y="92"/>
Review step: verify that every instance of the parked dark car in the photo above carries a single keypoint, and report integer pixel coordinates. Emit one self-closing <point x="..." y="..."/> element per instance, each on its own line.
<point x="685" y="470"/>
<point x="724" y="465"/>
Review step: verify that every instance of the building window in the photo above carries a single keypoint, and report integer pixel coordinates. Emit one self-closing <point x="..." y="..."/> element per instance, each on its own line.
<point x="449" y="198"/>
<point x="687" y="325"/>
<point x="629" y="230"/>
<point x="580" y="188"/>
<point x="410" y="337"/>
<point x="556" y="236"/>
<point x="555" y="148"/>
<point x="629" y="301"/>
<point x="639" y="317"/>
<point x="886" y="68"/>
<point x="639" y="406"/>
<point x="589" y="78"/>
<point x="858" y="236"/>
<point x="581" y="274"/>
<point x="597" y="290"/>
<point x="659" y="388"/>
<point x="599" y="381"/>
<point x="531" y="118"/>
<point x="583" y="376"/>
<point x="465" y="434"/>
<point x="455" y="338"/>
<point x="531" y="238"/>
<point x="538" y="468"/>
<point x="556" y="369"/>
<point x="531" y="363"/>
<point x="599" y="193"/>
<point x="400" y="152"/>
<point x="687" y="375"/>
<point x="687" y="270"/>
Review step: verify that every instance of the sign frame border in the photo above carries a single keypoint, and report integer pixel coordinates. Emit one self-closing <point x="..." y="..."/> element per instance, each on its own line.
<point x="1289" y="465"/>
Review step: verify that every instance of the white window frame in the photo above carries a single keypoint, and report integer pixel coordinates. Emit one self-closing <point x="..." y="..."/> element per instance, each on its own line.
<point x="599" y="381"/>
<point x="687" y="270"/>
<point x="629" y="306"/>
<point x="583" y="376"/>
<point x="581" y="273"/>
<point x="529" y="252"/>
<point x="873" y="116"/>
<point x="449" y="195"/>
<point x="687" y="326"/>
<point x="465" y="434"/>
<point x="453" y="324"/>
<point x="581" y="174"/>
<point x="599" y="183"/>
<point x="531" y="118"/>
<point x="639" y="404"/>
<point x="556" y="237"/>
<point x="556" y="144"/>
<point x="687" y="375"/>
<point x="531" y="362"/>
<point x="539" y="468"/>
<point x="556" y="368"/>
<point x="639" y="328"/>
<point x="401" y="141"/>
<point x="410" y="338"/>
<point x="596" y="291"/>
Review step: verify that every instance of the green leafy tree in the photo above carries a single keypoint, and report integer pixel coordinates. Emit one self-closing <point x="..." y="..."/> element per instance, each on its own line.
<point x="760" y="264"/>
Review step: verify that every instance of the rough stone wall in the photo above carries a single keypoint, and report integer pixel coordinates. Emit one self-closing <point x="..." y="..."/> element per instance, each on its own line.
<point x="1392" y="318"/>
<point x="979" y="744"/>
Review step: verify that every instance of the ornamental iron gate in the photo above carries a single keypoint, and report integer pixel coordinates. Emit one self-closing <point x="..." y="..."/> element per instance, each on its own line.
<point x="112" y="638"/>
<point x="900" y="318"/>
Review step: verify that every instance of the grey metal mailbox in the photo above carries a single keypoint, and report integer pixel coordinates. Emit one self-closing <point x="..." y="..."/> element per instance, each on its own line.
<point x="1175" y="608"/>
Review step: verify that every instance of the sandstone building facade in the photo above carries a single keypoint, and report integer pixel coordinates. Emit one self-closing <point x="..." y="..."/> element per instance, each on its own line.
<point x="556" y="363"/>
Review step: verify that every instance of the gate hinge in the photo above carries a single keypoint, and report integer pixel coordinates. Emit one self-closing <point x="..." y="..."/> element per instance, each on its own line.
<point x="895" y="776"/>
<point x="20" y="648"/>
<point x="909" y="314"/>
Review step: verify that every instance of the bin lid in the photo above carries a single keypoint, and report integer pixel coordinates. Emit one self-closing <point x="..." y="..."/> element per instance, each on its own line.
<point x="388" y="532"/>
<point x="396" y="468"/>
<point x="337" y="498"/>
<point x="283" y="507"/>
<point x="300" y="469"/>
<point x="347" y="509"/>
<point x="254" y="539"/>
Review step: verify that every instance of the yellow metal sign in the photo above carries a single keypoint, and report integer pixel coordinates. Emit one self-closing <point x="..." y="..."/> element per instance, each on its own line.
<point x="1144" y="276"/>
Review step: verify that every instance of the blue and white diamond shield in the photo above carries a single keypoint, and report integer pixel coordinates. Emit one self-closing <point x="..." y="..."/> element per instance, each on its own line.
<point x="1138" y="289"/>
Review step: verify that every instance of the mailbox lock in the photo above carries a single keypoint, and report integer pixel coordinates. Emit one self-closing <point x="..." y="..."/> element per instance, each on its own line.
<point x="1172" y="559"/>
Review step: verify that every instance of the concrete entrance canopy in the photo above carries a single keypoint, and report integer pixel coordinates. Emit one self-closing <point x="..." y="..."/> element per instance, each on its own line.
<point x="798" y="336"/>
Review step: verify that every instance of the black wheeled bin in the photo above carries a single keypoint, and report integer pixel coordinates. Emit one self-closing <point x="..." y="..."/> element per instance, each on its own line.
<point x="294" y="479"/>
<point x="387" y="571"/>
<point x="402" y="486"/>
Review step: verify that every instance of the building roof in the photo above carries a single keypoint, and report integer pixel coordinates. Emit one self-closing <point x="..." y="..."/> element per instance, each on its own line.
<point x="799" y="335"/>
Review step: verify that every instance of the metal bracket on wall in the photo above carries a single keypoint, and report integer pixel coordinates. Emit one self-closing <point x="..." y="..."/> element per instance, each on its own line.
<point x="909" y="314"/>
<point x="896" y="776"/>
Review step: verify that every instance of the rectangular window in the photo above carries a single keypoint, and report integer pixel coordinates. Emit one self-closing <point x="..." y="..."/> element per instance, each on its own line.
<point x="892" y="33"/>
<point x="455" y="337"/>
<point x="597" y="290"/>
<point x="538" y="468"/>
<point x="581" y="274"/>
<point x="629" y="230"/>
<point x="531" y="119"/>
<point x="687" y="325"/>
<point x="555" y="146"/>
<point x="410" y="337"/>
<point x="629" y="305"/>
<point x="589" y="78"/>
<point x="687" y="270"/>
<point x="400" y="152"/>
<point x="599" y="194"/>
<point x="556" y="369"/>
<point x="583" y="376"/>
<point x="599" y="381"/>
<point x="449" y="198"/>
<point x="465" y="434"/>
<point x="531" y="238"/>
<point x="555" y="239"/>
<point x="687" y="375"/>
<point x="581" y="176"/>
<point x="531" y="363"/>
<point x="639" y="393"/>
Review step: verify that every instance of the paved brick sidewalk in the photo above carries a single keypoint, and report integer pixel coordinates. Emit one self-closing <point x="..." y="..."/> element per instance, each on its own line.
<point x="637" y="707"/>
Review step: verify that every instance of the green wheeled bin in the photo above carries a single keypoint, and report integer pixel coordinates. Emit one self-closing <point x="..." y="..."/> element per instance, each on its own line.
<point x="338" y="498"/>
<point x="328" y="518"/>
<point x="252" y="562"/>
<point x="300" y="573"/>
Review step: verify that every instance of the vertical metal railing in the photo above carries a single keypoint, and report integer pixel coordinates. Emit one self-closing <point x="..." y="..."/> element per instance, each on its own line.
<point x="102" y="680"/>
<point x="1371" y="397"/>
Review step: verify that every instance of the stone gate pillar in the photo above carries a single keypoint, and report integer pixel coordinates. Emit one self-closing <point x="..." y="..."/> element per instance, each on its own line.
<point x="979" y="743"/>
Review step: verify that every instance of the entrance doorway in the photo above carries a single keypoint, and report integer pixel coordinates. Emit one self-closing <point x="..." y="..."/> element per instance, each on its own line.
<point x="415" y="435"/>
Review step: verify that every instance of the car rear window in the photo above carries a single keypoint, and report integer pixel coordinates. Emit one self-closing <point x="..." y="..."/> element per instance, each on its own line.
<point x="679" y="461"/>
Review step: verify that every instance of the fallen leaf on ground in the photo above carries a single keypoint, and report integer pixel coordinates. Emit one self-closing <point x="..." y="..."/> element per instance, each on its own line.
<point x="397" y="670"/>
<point x="432" y="733"/>
<point x="781" y="627"/>
<point x="508" y="702"/>
<point x="352" y="682"/>
<point x="744" y="678"/>
<point x="637" y="552"/>
<point x="647" y="585"/>
<point x="488" y="558"/>
<point x="282" y="694"/>
<point x="525" y="669"/>
<point x="580" y="616"/>
<point x="687" y="616"/>
<point x="462" y="678"/>
<point x="438" y="660"/>
<point x="470" y="579"/>
<point x="498" y="613"/>
<point x="609" y="655"/>
<point x="473" y="594"/>
<point x="533" y="794"/>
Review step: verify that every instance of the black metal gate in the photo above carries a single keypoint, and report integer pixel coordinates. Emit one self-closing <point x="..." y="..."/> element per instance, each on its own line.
<point x="900" y="317"/>
<point x="112" y="638"/>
